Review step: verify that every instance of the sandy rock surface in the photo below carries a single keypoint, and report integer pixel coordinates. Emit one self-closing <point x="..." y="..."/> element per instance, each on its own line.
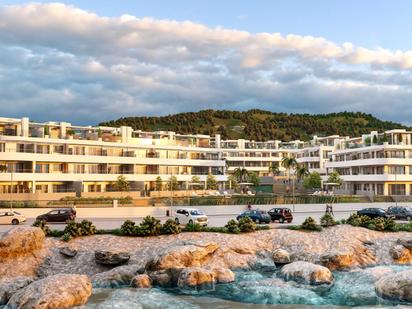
<point x="308" y="273"/>
<point x="396" y="286"/>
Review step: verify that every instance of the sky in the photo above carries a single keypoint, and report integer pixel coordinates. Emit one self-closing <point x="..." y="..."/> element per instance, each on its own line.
<point x="91" y="61"/>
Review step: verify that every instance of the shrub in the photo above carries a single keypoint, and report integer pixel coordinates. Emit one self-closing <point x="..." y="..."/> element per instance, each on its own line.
<point x="170" y="227"/>
<point x="246" y="225"/>
<point x="263" y="227"/>
<point x="128" y="228"/>
<point x="56" y="233"/>
<point x="389" y="224"/>
<point x="310" y="224"/>
<point x="149" y="227"/>
<point x="232" y="227"/>
<point x="42" y="224"/>
<point x="84" y="228"/>
<point x="193" y="227"/>
<point x="327" y="220"/>
<point x="213" y="229"/>
<point x="66" y="237"/>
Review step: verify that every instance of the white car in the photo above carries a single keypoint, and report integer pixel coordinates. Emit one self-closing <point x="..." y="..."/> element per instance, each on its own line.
<point x="11" y="217"/>
<point x="190" y="216"/>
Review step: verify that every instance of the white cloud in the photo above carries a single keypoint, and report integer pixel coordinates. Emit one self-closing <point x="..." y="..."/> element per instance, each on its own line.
<point x="56" y="59"/>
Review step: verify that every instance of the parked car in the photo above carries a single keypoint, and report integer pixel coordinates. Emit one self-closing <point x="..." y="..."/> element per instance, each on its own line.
<point x="258" y="216"/>
<point x="374" y="213"/>
<point x="400" y="212"/>
<point x="58" y="215"/>
<point x="11" y="217"/>
<point x="281" y="214"/>
<point x="191" y="216"/>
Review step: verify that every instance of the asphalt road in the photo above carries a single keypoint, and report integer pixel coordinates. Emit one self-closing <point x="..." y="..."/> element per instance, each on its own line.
<point x="217" y="220"/>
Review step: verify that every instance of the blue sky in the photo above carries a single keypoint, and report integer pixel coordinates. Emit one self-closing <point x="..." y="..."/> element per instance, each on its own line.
<point x="68" y="61"/>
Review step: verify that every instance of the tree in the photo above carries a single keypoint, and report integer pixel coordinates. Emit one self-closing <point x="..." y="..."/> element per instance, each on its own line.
<point x="254" y="179"/>
<point x="172" y="183"/>
<point x="289" y="163"/>
<point x="375" y="140"/>
<point x="241" y="174"/>
<point x="334" y="177"/>
<point x="312" y="181"/>
<point x="195" y="182"/>
<point x="274" y="169"/>
<point x="122" y="184"/>
<point x="3" y="168"/>
<point x="211" y="182"/>
<point x="159" y="183"/>
<point x="302" y="172"/>
<point x="233" y="184"/>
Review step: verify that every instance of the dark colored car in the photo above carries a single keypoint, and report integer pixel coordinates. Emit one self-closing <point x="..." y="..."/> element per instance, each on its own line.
<point x="258" y="216"/>
<point x="400" y="212"/>
<point x="59" y="215"/>
<point x="374" y="213"/>
<point x="281" y="214"/>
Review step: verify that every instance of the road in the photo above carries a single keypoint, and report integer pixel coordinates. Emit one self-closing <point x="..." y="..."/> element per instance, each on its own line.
<point x="214" y="220"/>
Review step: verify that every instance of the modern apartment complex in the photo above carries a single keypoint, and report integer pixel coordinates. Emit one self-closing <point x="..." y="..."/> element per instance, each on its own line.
<point x="58" y="157"/>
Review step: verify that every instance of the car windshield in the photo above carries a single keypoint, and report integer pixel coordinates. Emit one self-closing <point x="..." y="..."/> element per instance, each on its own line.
<point x="196" y="213"/>
<point x="17" y="213"/>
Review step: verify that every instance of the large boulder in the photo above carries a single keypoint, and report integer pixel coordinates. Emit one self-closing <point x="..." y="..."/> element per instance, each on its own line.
<point x="165" y="277"/>
<point x="337" y="260"/>
<point x="396" y="286"/>
<point x="307" y="273"/>
<point x="183" y="256"/>
<point x="21" y="240"/>
<point x="111" y="258"/>
<point x="58" y="291"/>
<point x="11" y="286"/>
<point x="118" y="276"/>
<point x="142" y="281"/>
<point x="196" y="277"/>
<point x="280" y="256"/>
<point x="400" y="254"/>
<point x="407" y="243"/>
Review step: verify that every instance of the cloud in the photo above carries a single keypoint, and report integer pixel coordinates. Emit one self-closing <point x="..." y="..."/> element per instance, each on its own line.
<point x="58" y="62"/>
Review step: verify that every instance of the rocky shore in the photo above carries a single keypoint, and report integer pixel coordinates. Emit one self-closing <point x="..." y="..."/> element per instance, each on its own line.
<point x="39" y="272"/>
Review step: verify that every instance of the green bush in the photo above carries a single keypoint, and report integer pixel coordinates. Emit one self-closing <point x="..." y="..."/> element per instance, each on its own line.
<point x="193" y="227"/>
<point x="149" y="227"/>
<point x="263" y="227"/>
<point x="246" y="225"/>
<point x="310" y="224"/>
<point x="327" y="220"/>
<point x="213" y="229"/>
<point x="232" y="227"/>
<point x="84" y="228"/>
<point x="56" y="233"/>
<point x="42" y="224"/>
<point x="128" y="228"/>
<point x="170" y="227"/>
<point x="66" y="237"/>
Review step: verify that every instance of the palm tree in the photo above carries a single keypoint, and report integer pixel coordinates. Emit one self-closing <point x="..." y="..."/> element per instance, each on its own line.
<point x="289" y="163"/>
<point x="241" y="174"/>
<point x="302" y="172"/>
<point x="274" y="169"/>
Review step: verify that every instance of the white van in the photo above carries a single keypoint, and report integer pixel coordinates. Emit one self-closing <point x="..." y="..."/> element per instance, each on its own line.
<point x="190" y="216"/>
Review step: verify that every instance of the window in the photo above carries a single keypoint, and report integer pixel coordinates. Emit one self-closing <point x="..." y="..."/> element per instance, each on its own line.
<point x="397" y="189"/>
<point x="399" y="170"/>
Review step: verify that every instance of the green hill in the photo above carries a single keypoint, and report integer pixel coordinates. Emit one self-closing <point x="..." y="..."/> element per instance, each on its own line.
<point x="260" y="125"/>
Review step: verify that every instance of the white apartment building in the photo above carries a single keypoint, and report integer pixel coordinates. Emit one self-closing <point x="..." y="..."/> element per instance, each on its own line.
<point x="58" y="157"/>
<point x="377" y="163"/>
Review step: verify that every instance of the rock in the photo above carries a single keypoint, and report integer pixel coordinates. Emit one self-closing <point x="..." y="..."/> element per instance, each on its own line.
<point x="397" y="286"/>
<point x="183" y="256"/>
<point x="308" y="273"/>
<point x="223" y="275"/>
<point x="264" y="265"/>
<point x="407" y="243"/>
<point x="165" y="277"/>
<point x="400" y="254"/>
<point x="281" y="256"/>
<point x="196" y="277"/>
<point x="58" y="291"/>
<point x="376" y="272"/>
<point x="112" y="258"/>
<point x="335" y="261"/>
<point x="9" y="287"/>
<point x="68" y="252"/>
<point x="21" y="240"/>
<point x="141" y="281"/>
<point x="118" y="276"/>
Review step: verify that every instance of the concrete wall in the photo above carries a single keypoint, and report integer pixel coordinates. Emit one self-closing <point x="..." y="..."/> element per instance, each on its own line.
<point x="38" y="196"/>
<point x="135" y="212"/>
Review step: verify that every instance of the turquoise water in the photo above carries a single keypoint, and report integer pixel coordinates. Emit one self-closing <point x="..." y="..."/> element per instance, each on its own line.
<point x="256" y="290"/>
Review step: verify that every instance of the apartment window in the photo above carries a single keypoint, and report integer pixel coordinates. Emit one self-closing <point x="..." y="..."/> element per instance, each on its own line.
<point x="78" y="168"/>
<point x="42" y="168"/>
<point x="42" y="188"/>
<point x="397" y="189"/>
<point x="58" y="167"/>
<point x="379" y="189"/>
<point x="396" y="170"/>
<point x="2" y="147"/>
<point x="379" y="170"/>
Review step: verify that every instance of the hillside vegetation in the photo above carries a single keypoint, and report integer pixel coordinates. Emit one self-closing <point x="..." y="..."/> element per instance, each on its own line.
<point x="260" y="125"/>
